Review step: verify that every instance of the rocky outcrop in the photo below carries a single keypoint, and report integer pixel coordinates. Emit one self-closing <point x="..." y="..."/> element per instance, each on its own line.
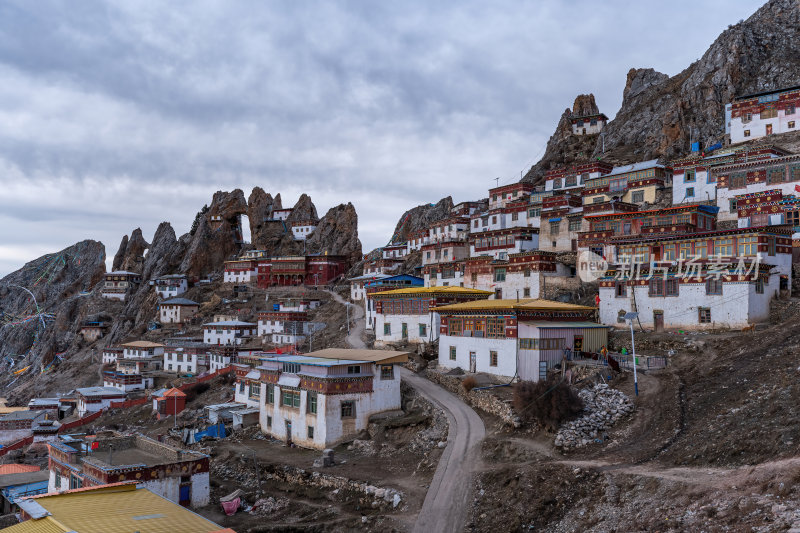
<point x="420" y="217"/>
<point x="259" y="209"/>
<point x="120" y="255"/>
<point x="165" y="253"/>
<point x="218" y="236"/>
<point x="584" y="105"/>
<point x="564" y="148"/>
<point x="132" y="258"/>
<point x="337" y="234"/>
<point x="304" y="210"/>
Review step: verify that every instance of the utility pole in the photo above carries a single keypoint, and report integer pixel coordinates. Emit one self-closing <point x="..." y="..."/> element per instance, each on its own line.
<point x="497" y="182"/>
<point x="630" y="317"/>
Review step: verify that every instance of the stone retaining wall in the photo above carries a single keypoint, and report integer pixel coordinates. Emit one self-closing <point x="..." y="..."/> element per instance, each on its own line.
<point x="480" y="399"/>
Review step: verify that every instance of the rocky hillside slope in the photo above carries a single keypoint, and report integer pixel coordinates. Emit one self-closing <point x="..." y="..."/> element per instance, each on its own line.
<point x="661" y="115"/>
<point x="41" y="303"/>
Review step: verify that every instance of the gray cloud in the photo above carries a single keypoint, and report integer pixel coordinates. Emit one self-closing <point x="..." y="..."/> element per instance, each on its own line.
<point x="116" y="115"/>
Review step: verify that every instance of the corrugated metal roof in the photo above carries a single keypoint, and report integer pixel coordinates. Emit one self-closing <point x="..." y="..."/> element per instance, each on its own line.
<point x="230" y="323"/>
<point x="17" y="469"/>
<point x="525" y="304"/>
<point x="179" y="301"/>
<point x="642" y="165"/>
<point x="564" y="325"/>
<point x="432" y="290"/>
<point x="45" y="525"/>
<point x="373" y="356"/>
<point x="121" y="510"/>
<point x="143" y="344"/>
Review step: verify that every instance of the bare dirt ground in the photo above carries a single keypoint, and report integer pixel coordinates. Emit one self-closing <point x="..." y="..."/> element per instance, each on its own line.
<point x="712" y="446"/>
<point x="402" y="455"/>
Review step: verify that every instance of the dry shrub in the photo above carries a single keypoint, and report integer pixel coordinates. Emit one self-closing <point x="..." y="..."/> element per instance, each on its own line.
<point x="546" y="402"/>
<point x="469" y="383"/>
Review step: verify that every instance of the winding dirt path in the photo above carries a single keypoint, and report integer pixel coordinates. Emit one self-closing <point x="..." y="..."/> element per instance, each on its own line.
<point x="354" y="338"/>
<point x="446" y="504"/>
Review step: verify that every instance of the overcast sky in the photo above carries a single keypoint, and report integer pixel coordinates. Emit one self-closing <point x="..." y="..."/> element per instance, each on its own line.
<point x="120" y="115"/>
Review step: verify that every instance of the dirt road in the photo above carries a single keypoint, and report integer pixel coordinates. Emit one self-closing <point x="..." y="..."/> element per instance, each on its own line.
<point x="445" y="506"/>
<point x="357" y="321"/>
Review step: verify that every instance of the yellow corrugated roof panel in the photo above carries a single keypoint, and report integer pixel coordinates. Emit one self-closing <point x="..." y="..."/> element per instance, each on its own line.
<point x="43" y="525"/>
<point x="373" y="356"/>
<point x="525" y="304"/>
<point x="119" y="509"/>
<point x="432" y="290"/>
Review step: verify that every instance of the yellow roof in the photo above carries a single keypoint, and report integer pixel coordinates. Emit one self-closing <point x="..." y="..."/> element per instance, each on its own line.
<point x="112" y="509"/>
<point x="525" y="304"/>
<point x="44" y="525"/>
<point x="143" y="344"/>
<point x="373" y="356"/>
<point x="432" y="290"/>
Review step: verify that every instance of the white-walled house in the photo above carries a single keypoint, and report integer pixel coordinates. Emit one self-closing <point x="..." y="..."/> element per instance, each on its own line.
<point x="408" y="315"/>
<point x="692" y="178"/>
<point x="763" y="114"/>
<point x="240" y="271"/>
<point x="228" y="332"/>
<point x="402" y="281"/>
<point x="302" y="229"/>
<point x="444" y="252"/>
<point x="118" y="284"/>
<point x="357" y="285"/>
<point x="93" y="399"/>
<point x="501" y="196"/>
<point x="177" y="310"/>
<point x="217" y="360"/>
<point x="588" y="124"/>
<point x="751" y="177"/>
<point x="522" y="338"/>
<point x="111" y="354"/>
<point x="179" y="475"/>
<point x="186" y="359"/>
<point x="171" y="285"/>
<point x="523" y="275"/>
<point x="574" y="176"/>
<point x="281" y="214"/>
<point x="499" y="244"/>
<point x="715" y="296"/>
<point x="323" y="398"/>
<point x="444" y="274"/>
<point x="141" y="350"/>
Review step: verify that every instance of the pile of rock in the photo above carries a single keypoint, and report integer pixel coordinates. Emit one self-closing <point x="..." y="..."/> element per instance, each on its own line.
<point x="269" y="505"/>
<point x="603" y="406"/>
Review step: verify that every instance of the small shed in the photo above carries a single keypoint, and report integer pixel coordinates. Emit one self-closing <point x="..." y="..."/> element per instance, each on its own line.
<point x="170" y="402"/>
<point x="222" y="412"/>
<point x="245" y="418"/>
<point x="19" y="485"/>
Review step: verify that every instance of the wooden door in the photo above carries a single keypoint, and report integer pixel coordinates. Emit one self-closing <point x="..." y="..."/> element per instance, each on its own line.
<point x="769" y="129"/>
<point x="405" y="331"/>
<point x="658" y="320"/>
